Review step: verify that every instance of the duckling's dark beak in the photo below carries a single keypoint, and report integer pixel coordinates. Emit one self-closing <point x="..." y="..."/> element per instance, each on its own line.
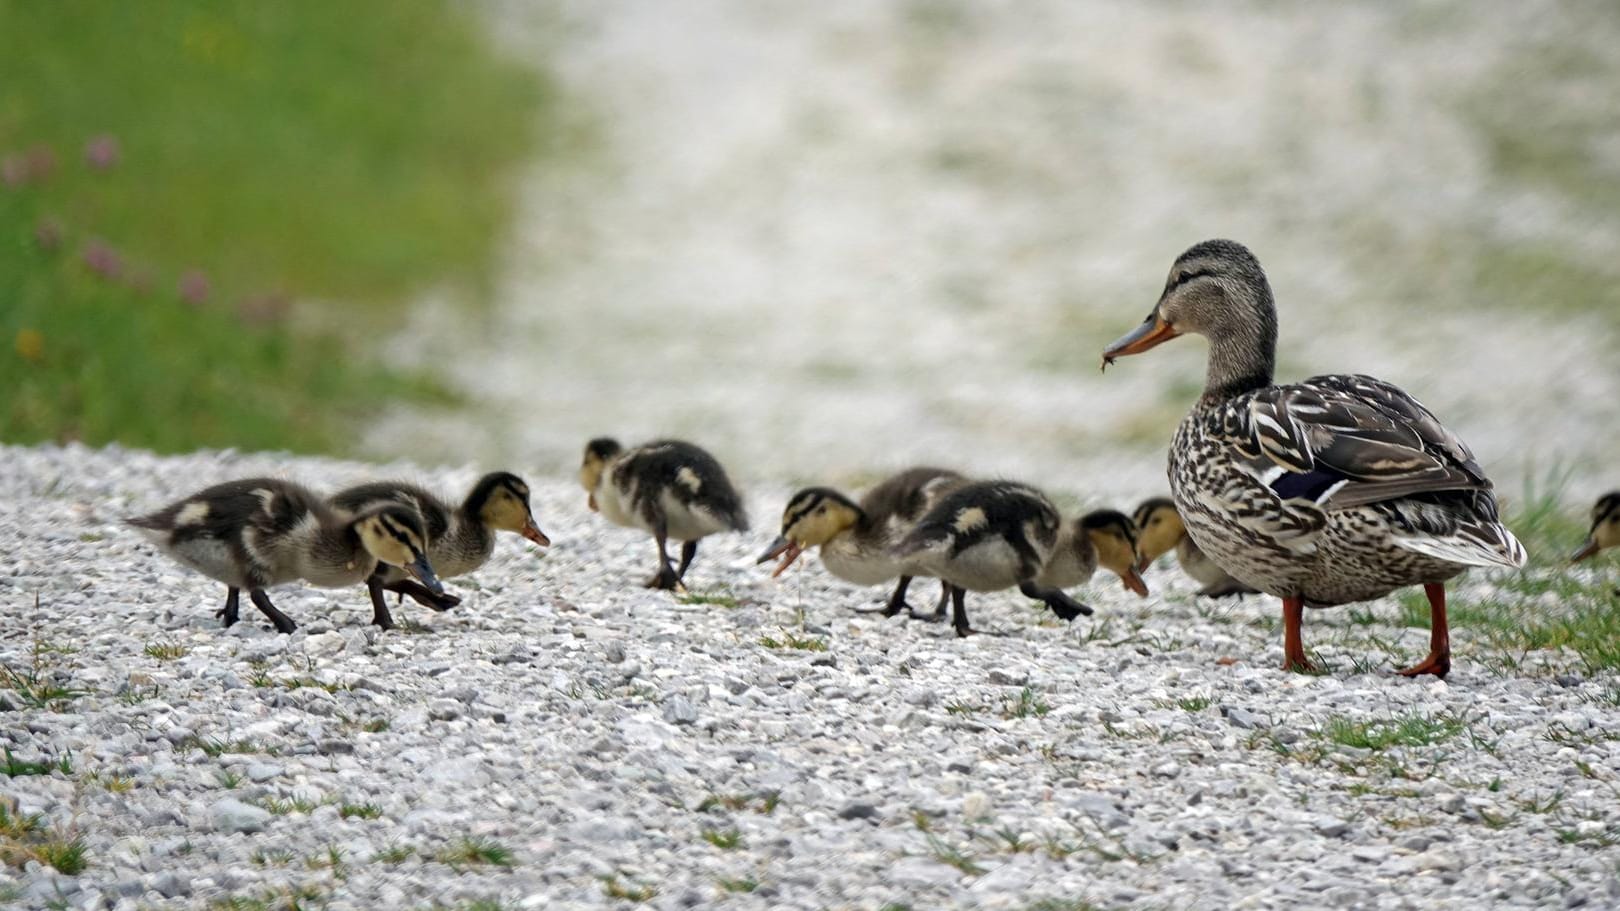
<point x="784" y="548"/>
<point x="423" y="571"/>
<point x="1133" y="581"/>
<point x="1153" y="331"/>
<point x="533" y="533"/>
<point x="590" y="500"/>
<point x="1143" y="563"/>
<point x="1588" y="549"/>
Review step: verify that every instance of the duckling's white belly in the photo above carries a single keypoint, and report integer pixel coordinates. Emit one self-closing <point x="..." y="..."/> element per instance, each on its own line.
<point x="210" y="556"/>
<point x="990" y="565"/>
<point x="614" y="505"/>
<point x="869" y="565"/>
<point x="341" y="575"/>
<point x="689" y="523"/>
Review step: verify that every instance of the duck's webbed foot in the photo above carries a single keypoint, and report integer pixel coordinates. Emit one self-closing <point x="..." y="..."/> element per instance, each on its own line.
<point x="230" y="613"/>
<point x="665" y="579"/>
<point x="283" y="623"/>
<point x="1438" y="665"/>
<point x="423" y="595"/>
<point x="1061" y="604"/>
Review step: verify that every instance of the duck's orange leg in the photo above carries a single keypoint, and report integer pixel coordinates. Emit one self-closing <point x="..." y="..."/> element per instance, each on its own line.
<point x="1439" y="661"/>
<point x="1293" y="649"/>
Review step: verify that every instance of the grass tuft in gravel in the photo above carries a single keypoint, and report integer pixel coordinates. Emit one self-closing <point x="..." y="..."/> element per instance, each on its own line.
<point x="286" y="898"/>
<point x="359" y="810"/>
<point x="1028" y="704"/>
<point x="25" y="839"/>
<point x="614" y="887"/>
<point x="1410" y="730"/>
<point x="38" y="686"/>
<point x="476" y="852"/>
<point x="726" y="839"/>
<point x="165" y="651"/>
<point x="16" y="768"/>
<point x="950" y="855"/>
<point x="792" y="640"/>
<point x="743" y="885"/>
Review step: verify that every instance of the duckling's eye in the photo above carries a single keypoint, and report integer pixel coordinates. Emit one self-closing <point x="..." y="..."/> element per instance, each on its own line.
<point x="821" y="510"/>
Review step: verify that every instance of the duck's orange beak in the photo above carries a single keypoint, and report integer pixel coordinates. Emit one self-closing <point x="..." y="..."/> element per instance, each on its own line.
<point x="784" y="548"/>
<point x="1133" y="581"/>
<point x="1153" y="331"/>
<point x="533" y="533"/>
<point x="1588" y="549"/>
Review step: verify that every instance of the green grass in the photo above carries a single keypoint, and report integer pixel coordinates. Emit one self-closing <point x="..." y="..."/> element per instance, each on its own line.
<point x="476" y="852"/>
<point x="165" y="651"/>
<point x="16" y="768"/>
<point x="718" y="598"/>
<point x="744" y="885"/>
<point x="37" y="685"/>
<point x="1410" y="730"/>
<point x="359" y="810"/>
<point x="724" y="839"/>
<point x="791" y="640"/>
<point x="25" y="838"/>
<point x="350" y="154"/>
<point x="613" y="887"/>
<point x="1028" y="704"/>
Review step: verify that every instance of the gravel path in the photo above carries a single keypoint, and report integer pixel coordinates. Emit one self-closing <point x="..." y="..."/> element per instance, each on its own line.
<point x="565" y="737"/>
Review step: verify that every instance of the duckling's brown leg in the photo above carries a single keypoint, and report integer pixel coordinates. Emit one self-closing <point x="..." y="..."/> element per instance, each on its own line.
<point x="421" y="594"/>
<point x="1439" y="661"/>
<point x="959" y="618"/>
<point x="1293" y="649"/>
<point x="379" y="605"/>
<point x="229" y="611"/>
<point x="1061" y="604"/>
<point x="895" y="604"/>
<point x="688" y="551"/>
<point x="665" y="578"/>
<point x="261" y="600"/>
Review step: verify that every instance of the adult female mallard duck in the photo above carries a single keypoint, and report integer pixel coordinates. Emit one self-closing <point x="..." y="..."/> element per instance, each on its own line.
<point x="460" y="539"/>
<point x="992" y="535"/>
<point x="857" y="539"/>
<point x="668" y="488"/>
<point x="1159" y="530"/>
<point x="1323" y="492"/>
<point x="260" y="532"/>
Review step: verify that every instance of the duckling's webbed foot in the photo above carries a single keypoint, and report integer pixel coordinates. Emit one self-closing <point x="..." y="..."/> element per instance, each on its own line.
<point x="379" y="605"/>
<point x="1061" y="604"/>
<point x="229" y="613"/>
<point x="666" y="579"/>
<point x="422" y="595"/>
<point x="283" y="623"/>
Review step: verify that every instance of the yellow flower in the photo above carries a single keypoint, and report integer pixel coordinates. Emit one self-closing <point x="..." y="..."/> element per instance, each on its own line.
<point x="31" y="345"/>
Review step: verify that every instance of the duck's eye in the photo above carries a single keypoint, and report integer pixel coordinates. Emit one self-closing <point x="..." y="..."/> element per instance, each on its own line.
<point x="1186" y="277"/>
<point x="821" y="510"/>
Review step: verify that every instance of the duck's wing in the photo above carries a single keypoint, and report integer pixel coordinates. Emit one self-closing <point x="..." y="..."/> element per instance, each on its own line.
<point x="1342" y="441"/>
<point x="1339" y="442"/>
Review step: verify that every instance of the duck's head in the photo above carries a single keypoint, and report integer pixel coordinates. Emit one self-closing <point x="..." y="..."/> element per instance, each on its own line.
<point x="1218" y="290"/>
<point x="500" y="500"/>
<point x="1158" y="530"/>
<point x="598" y="453"/>
<point x="1114" y="537"/>
<point x="393" y="533"/>
<point x="1605" y="531"/>
<point x="814" y="516"/>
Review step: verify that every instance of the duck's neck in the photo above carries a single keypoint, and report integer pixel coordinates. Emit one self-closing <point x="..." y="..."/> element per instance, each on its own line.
<point x="336" y="544"/>
<point x="467" y="534"/>
<point x="1243" y="358"/>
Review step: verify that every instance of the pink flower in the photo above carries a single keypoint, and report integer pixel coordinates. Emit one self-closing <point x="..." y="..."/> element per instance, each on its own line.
<point x="102" y="152"/>
<point x="48" y="234"/>
<point x="14" y="170"/>
<point x="194" y="287"/>
<point x="102" y="259"/>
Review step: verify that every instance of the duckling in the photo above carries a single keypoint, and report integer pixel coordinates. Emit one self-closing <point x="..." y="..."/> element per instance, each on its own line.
<point x="990" y="535"/>
<point x="857" y="539"/>
<point x="667" y="487"/>
<point x="1160" y="530"/>
<point x="260" y="532"/>
<point x="460" y="539"/>
<point x="1605" y="531"/>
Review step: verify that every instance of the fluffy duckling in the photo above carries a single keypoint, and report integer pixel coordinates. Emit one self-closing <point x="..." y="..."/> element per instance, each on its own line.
<point x="1160" y="530"/>
<point x="991" y="535"/>
<point x="260" y="532"/>
<point x="669" y="488"/>
<point x="460" y="538"/>
<point x="857" y="539"/>
<point x="1605" y="531"/>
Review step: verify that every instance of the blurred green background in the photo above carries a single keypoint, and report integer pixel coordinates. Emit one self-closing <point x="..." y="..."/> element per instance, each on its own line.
<point x="211" y="211"/>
